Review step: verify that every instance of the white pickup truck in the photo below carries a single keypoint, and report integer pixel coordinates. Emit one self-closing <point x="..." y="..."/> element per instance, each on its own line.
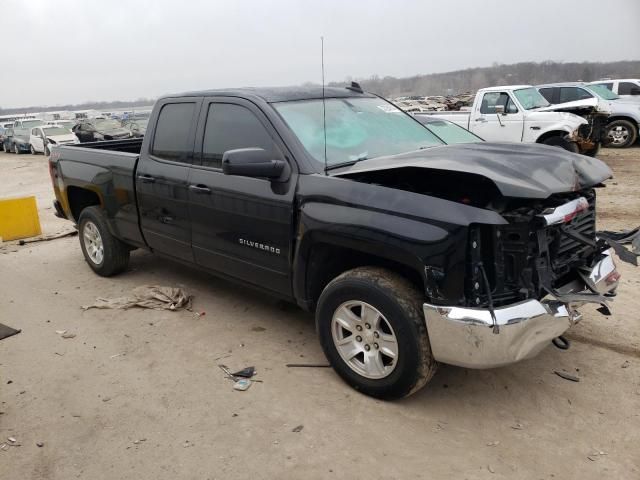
<point x="519" y="113"/>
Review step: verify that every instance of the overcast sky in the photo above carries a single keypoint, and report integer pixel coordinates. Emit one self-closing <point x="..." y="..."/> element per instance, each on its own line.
<point x="70" y="51"/>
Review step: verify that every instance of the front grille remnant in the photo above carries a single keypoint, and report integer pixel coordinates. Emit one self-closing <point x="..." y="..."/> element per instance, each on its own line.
<point x="510" y="253"/>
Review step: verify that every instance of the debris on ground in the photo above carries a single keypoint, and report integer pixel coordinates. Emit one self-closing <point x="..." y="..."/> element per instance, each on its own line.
<point x="6" y="331"/>
<point x="490" y="468"/>
<point x="298" y="429"/>
<point x="247" y="372"/>
<point x="187" y="444"/>
<point x="493" y="444"/>
<point x="625" y="364"/>
<point x="49" y="237"/>
<point x="307" y="365"/>
<point x="68" y="335"/>
<point x="242" y="384"/>
<point x="40" y="444"/>
<point x="517" y="426"/>
<point x="566" y="376"/>
<point x="13" y="442"/>
<point x="147" y="296"/>
<point x="594" y="456"/>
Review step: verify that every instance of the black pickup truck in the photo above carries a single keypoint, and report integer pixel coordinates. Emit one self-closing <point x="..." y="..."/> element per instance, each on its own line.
<point x="411" y="252"/>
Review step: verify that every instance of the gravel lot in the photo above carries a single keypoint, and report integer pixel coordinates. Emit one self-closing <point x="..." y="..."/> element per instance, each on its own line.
<point x="138" y="394"/>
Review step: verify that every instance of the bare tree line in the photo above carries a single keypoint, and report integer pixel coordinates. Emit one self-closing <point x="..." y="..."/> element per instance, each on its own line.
<point x="459" y="81"/>
<point x="472" y="79"/>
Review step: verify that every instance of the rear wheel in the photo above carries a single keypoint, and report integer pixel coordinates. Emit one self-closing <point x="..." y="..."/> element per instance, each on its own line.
<point x="104" y="253"/>
<point x="622" y="133"/>
<point x="373" y="332"/>
<point x="561" y="142"/>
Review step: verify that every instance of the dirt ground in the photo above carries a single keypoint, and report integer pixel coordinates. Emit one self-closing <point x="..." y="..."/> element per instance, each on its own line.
<point x="137" y="394"/>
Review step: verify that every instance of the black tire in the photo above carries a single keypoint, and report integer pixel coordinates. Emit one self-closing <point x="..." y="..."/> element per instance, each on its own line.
<point x="558" y="141"/>
<point x="621" y="140"/>
<point x="593" y="152"/>
<point x="401" y="305"/>
<point x="115" y="257"/>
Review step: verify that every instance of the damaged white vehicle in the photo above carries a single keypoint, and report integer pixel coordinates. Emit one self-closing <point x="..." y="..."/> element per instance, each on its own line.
<point x="44" y="137"/>
<point x="519" y="113"/>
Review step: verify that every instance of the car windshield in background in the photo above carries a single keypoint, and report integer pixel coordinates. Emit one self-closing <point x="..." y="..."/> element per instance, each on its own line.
<point x="31" y="123"/>
<point x="107" y="124"/>
<point x="602" y="91"/>
<point x="356" y="129"/>
<point x="51" y="131"/>
<point x="530" y="98"/>
<point x="451" y="133"/>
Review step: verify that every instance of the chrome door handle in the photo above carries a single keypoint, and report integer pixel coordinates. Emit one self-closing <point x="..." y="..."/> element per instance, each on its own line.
<point x="481" y="119"/>
<point x="146" y="178"/>
<point x="200" y="189"/>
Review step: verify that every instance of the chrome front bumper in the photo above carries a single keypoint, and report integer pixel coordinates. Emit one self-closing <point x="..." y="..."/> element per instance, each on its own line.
<point x="465" y="336"/>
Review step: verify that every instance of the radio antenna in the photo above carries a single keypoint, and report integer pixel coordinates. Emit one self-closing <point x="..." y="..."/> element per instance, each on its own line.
<point x="324" y="107"/>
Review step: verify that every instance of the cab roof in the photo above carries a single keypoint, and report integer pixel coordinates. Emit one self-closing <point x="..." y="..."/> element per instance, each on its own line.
<point x="278" y="94"/>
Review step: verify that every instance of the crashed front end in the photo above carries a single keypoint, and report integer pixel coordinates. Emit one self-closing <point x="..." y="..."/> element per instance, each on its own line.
<point x="592" y="135"/>
<point x="524" y="283"/>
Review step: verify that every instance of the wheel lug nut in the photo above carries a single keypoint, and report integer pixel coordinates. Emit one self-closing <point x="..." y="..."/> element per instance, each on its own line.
<point x="367" y="347"/>
<point x="376" y="334"/>
<point x="375" y="345"/>
<point x="359" y="338"/>
<point x="359" y="328"/>
<point x="367" y="325"/>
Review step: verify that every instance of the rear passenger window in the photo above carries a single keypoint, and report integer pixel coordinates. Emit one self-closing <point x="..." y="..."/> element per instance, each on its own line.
<point x="547" y="93"/>
<point x="628" y="88"/>
<point x="171" y="139"/>
<point x="232" y="126"/>
<point x="571" y="94"/>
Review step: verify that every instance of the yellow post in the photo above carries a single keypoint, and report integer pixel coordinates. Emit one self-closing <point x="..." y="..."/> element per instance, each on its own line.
<point x="19" y="218"/>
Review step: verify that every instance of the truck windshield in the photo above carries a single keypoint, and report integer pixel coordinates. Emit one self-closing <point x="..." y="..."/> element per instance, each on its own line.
<point x="107" y="124"/>
<point x="31" y="123"/>
<point x="602" y="91"/>
<point x="530" y="98"/>
<point x="50" y="131"/>
<point x="356" y="129"/>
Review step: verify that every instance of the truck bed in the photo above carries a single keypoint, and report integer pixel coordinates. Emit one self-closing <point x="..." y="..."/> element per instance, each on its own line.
<point x="130" y="145"/>
<point x="107" y="168"/>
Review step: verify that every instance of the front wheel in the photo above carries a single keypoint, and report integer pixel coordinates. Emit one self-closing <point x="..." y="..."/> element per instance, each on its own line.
<point x="104" y="253"/>
<point x="622" y="133"/>
<point x="561" y="142"/>
<point x="373" y="332"/>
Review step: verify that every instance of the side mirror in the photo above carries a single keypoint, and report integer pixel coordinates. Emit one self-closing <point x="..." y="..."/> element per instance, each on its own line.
<point x="500" y="110"/>
<point x="251" y="162"/>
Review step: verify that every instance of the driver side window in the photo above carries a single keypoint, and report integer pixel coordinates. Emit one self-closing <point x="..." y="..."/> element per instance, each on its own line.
<point x="229" y="127"/>
<point x="492" y="99"/>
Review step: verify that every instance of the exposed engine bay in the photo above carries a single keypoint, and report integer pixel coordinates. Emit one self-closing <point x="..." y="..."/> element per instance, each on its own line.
<point x="543" y="247"/>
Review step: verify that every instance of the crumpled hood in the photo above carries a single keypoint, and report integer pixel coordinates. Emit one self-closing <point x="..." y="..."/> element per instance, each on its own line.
<point x="518" y="170"/>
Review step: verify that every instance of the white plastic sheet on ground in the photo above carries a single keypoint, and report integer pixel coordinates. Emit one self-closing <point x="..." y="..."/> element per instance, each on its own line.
<point x="147" y="296"/>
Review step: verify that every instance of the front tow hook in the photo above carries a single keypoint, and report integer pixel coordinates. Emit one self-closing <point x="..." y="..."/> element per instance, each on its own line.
<point x="561" y="342"/>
